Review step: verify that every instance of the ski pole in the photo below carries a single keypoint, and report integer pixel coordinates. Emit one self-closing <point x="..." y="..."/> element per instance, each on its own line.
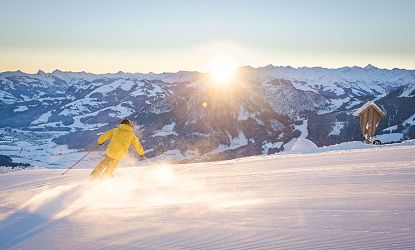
<point x="76" y="162"/>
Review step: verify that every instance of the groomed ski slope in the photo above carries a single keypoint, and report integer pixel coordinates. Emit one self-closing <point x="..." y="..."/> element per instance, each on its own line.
<point x="350" y="199"/>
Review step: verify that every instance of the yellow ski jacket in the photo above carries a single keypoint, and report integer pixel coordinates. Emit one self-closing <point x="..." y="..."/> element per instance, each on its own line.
<point x="121" y="139"/>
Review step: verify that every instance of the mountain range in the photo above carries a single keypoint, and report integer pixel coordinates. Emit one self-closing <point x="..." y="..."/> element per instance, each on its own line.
<point x="184" y="116"/>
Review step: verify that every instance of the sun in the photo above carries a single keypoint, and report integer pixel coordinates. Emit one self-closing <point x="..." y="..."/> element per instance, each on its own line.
<point x="222" y="69"/>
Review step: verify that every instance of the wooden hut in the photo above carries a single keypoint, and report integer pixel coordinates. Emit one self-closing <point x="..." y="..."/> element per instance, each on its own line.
<point x="369" y="116"/>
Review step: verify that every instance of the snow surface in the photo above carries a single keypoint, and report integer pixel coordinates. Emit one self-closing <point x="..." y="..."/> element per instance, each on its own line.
<point x="234" y="142"/>
<point x="303" y="145"/>
<point x="409" y="89"/>
<point x="358" y="79"/>
<point x="270" y="145"/>
<point x="337" y="128"/>
<point x="335" y="104"/>
<point x="243" y="114"/>
<point x="303" y="128"/>
<point x="410" y="120"/>
<point x="353" y="199"/>
<point x="166" y="130"/>
<point x="392" y="137"/>
<point x="353" y="103"/>
<point x="21" y="108"/>
<point x="42" y="118"/>
<point x="4" y="169"/>
<point x="306" y="146"/>
<point x="6" y="97"/>
<point x="170" y="155"/>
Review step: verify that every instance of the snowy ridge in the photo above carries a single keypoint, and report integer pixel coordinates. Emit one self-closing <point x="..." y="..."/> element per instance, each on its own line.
<point x="357" y="78"/>
<point x="47" y="110"/>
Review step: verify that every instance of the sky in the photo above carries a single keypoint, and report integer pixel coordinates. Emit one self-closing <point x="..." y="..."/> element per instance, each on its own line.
<point x="172" y="35"/>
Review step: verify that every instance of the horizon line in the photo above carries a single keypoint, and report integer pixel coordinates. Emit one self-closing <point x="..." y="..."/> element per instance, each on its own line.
<point x="196" y="71"/>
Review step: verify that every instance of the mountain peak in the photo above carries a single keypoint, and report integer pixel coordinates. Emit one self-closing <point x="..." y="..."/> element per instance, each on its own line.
<point x="370" y="66"/>
<point x="268" y="67"/>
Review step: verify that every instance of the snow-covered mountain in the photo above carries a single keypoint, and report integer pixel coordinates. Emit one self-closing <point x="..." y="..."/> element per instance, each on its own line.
<point x="47" y="117"/>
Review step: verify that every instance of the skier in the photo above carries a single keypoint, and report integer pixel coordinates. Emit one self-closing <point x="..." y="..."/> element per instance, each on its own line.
<point x="121" y="139"/>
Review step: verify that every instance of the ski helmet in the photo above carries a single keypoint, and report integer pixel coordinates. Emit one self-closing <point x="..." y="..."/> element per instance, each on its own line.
<point x="127" y="122"/>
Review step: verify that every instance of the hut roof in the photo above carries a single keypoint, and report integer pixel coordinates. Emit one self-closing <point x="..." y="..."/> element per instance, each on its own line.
<point x="366" y="105"/>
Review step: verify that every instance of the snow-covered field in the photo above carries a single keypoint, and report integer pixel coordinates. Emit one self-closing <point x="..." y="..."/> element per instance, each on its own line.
<point x="349" y="199"/>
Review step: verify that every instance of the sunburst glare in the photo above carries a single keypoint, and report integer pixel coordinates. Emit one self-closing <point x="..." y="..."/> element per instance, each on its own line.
<point x="222" y="69"/>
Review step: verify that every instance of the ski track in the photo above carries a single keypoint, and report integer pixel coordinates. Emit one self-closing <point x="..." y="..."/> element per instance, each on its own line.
<point x="356" y="199"/>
